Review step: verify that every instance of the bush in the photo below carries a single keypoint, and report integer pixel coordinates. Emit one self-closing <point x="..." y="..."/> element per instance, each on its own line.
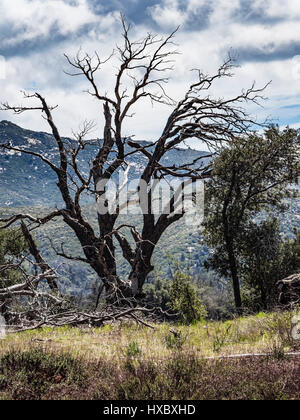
<point x="175" y="340"/>
<point x="185" y="299"/>
<point x="40" y="374"/>
<point x="158" y="293"/>
<point x="30" y="374"/>
<point x="133" y="349"/>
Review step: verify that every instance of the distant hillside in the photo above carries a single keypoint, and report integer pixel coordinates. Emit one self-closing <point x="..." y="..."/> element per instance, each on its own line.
<point x="26" y="181"/>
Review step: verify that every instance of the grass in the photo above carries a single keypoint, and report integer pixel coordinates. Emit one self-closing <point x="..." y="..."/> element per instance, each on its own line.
<point x="252" y="334"/>
<point x="134" y="362"/>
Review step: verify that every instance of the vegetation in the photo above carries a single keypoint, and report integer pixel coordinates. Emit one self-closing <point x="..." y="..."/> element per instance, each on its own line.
<point x="12" y="246"/>
<point x="185" y="300"/>
<point x="117" y="321"/>
<point x="268" y="258"/>
<point x="251" y="176"/>
<point x="142" y="72"/>
<point x="181" y="377"/>
<point x="131" y="362"/>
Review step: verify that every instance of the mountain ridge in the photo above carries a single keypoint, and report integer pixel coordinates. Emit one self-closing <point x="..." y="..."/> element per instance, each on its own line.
<point x="27" y="181"/>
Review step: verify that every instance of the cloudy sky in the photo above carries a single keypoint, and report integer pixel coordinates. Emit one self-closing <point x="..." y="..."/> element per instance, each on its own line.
<point x="34" y="34"/>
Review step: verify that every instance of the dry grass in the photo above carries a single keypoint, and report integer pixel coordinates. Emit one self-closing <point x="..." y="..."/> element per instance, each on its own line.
<point x="42" y="374"/>
<point x="254" y="334"/>
<point x="134" y="362"/>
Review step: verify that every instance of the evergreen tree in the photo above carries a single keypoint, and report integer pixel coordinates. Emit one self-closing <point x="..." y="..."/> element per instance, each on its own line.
<point x="12" y="246"/>
<point x="185" y="299"/>
<point x="250" y="176"/>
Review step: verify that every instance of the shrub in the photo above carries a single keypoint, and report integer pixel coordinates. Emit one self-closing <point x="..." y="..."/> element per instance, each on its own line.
<point x="175" y="340"/>
<point x="185" y="299"/>
<point x="221" y="338"/>
<point x="133" y="349"/>
<point x="29" y="374"/>
<point x="39" y="374"/>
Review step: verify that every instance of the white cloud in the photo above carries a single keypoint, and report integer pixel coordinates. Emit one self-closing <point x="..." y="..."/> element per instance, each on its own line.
<point x="222" y="11"/>
<point x="278" y="8"/>
<point x="203" y="48"/>
<point x="28" y="19"/>
<point x="168" y="14"/>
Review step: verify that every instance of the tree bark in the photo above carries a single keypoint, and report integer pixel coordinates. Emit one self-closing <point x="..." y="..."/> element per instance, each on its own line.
<point x="230" y="247"/>
<point x="234" y="276"/>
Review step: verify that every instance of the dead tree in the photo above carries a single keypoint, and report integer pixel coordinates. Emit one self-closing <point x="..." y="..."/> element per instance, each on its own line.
<point x="141" y="74"/>
<point x="31" y="270"/>
<point x="34" y="301"/>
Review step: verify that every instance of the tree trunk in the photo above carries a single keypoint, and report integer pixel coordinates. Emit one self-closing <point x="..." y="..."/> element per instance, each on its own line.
<point x="118" y="293"/>
<point x="263" y="294"/>
<point x="228" y="235"/>
<point x="234" y="276"/>
<point x="138" y="276"/>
